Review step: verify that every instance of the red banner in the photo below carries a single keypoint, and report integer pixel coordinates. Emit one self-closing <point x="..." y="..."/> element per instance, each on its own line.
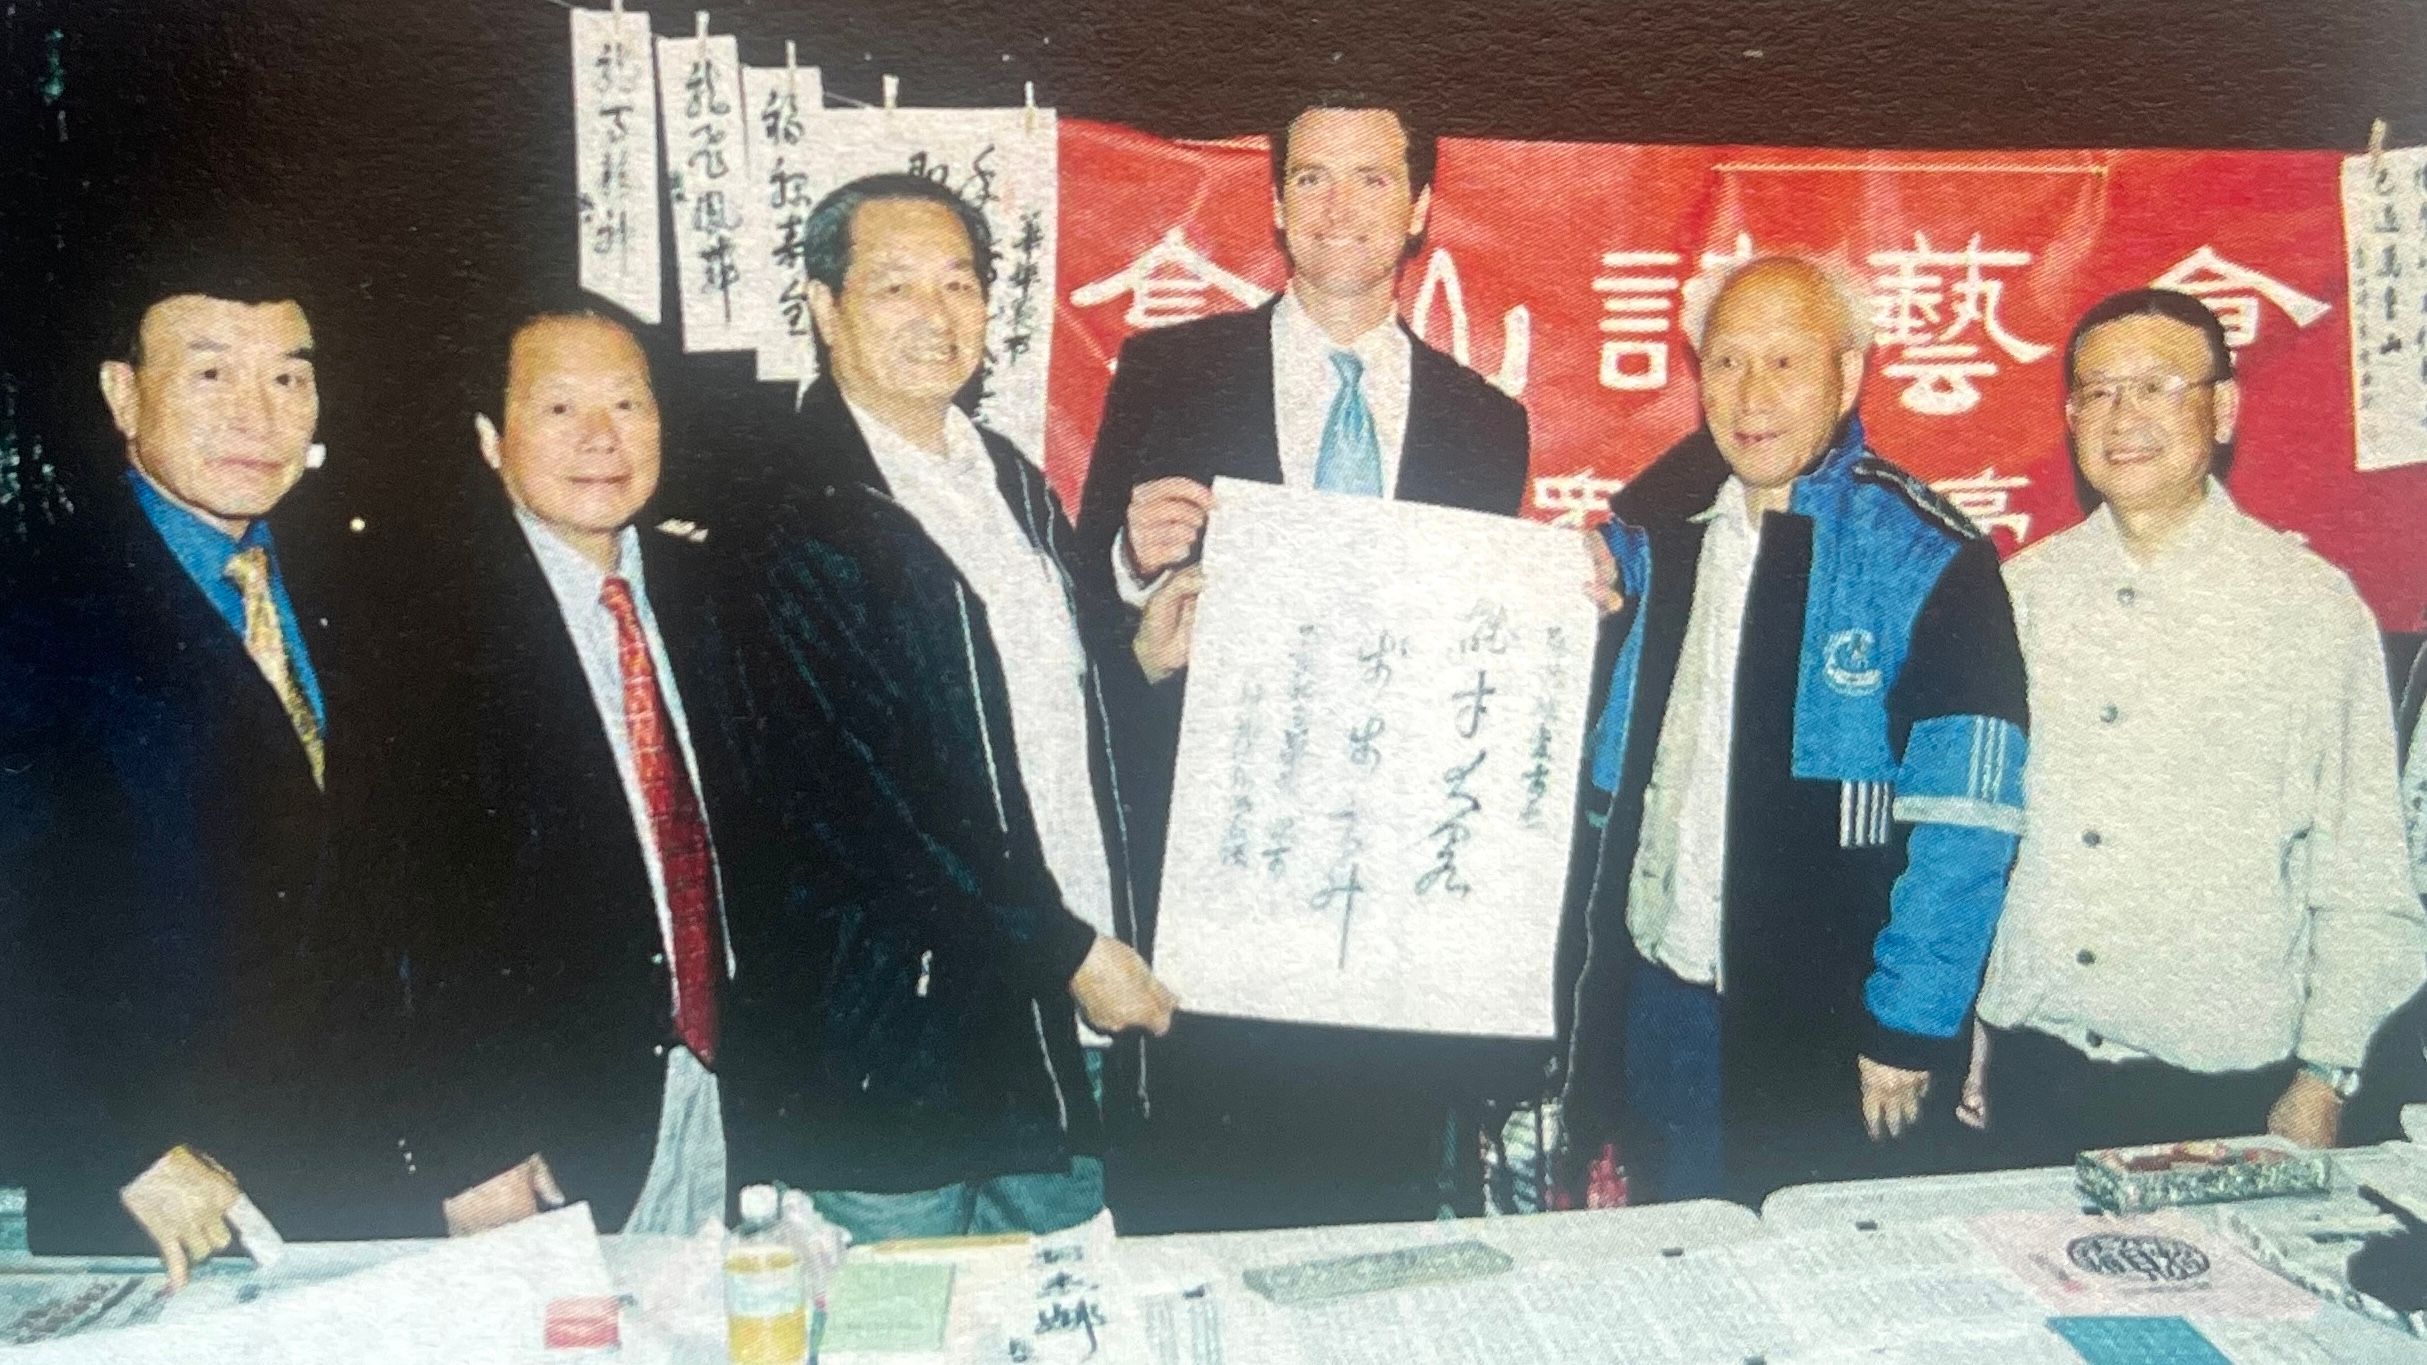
<point x="1558" y="270"/>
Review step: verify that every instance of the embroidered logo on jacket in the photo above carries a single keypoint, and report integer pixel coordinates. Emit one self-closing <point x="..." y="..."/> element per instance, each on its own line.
<point x="1850" y="662"/>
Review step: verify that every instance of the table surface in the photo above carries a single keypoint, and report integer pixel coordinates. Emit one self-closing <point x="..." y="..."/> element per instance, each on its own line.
<point x="1557" y="1244"/>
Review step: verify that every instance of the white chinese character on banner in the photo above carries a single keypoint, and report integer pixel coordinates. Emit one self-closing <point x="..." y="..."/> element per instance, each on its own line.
<point x="1441" y="283"/>
<point x="2233" y="292"/>
<point x="1988" y="500"/>
<point x="1638" y="302"/>
<point x="1923" y="313"/>
<point x="1575" y="497"/>
<point x="1168" y="284"/>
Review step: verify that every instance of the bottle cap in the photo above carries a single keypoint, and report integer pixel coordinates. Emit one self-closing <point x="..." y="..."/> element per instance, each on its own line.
<point x="758" y="1203"/>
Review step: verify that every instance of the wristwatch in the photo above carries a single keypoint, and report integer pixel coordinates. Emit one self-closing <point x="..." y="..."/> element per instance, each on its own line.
<point x="2343" y="1080"/>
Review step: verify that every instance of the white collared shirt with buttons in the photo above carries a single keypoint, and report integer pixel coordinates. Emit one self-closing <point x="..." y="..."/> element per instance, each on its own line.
<point x="958" y="503"/>
<point x="2212" y="870"/>
<point x="686" y="1183"/>
<point x="1676" y="906"/>
<point x="1305" y="383"/>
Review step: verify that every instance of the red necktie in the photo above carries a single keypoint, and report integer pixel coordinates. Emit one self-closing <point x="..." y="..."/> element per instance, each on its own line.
<point x="674" y="819"/>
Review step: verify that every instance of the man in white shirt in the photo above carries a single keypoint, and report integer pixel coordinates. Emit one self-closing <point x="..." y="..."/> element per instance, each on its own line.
<point x="928" y="713"/>
<point x="2211" y="911"/>
<point x="1322" y="388"/>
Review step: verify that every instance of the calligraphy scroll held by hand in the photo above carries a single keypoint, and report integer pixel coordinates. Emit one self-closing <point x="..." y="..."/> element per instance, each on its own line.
<point x="615" y="158"/>
<point x="1003" y="161"/>
<point x="1383" y="724"/>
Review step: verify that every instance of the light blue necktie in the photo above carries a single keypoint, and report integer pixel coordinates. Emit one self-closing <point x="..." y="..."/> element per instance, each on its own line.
<point x="1350" y="460"/>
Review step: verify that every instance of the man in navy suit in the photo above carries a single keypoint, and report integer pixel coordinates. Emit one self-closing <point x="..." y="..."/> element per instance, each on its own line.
<point x="164" y="759"/>
<point x="1322" y="388"/>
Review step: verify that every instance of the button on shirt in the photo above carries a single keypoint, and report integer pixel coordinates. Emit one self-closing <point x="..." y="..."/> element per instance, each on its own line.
<point x="1676" y="903"/>
<point x="2213" y="871"/>
<point x="959" y="505"/>
<point x="1304" y="383"/>
<point x="686" y="1179"/>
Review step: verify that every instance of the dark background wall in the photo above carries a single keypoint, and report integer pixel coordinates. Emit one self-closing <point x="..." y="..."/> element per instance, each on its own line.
<point x="416" y="154"/>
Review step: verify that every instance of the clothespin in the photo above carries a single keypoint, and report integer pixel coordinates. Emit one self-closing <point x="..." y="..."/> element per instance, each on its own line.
<point x="616" y="7"/>
<point x="1028" y="106"/>
<point x="702" y="17"/>
<point x="2376" y="146"/>
<point x="893" y="92"/>
<point x="792" y="70"/>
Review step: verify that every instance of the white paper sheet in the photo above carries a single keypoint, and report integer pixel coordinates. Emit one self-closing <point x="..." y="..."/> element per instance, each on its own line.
<point x="615" y="158"/>
<point x="712" y="193"/>
<point x="1005" y="162"/>
<point x="1378" y="760"/>
<point x="2385" y="232"/>
<point x="478" y="1298"/>
<point x="785" y="107"/>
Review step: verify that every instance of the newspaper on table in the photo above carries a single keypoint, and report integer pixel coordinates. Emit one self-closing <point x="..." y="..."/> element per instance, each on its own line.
<point x="1377" y="765"/>
<point x="482" y="1298"/>
<point x="615" y="158"/>
<point x="2385" y="230"/>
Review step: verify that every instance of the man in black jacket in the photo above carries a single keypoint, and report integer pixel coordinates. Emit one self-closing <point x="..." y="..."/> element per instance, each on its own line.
<point x="926" y="699"/>
<point x="1271" y="1124"/>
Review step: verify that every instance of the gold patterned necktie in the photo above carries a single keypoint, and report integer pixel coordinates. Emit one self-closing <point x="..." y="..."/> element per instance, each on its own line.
<point x="249" y="570"/>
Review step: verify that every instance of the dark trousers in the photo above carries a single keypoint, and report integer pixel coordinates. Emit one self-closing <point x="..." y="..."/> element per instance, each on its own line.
<point x="2049" y="1101"/>
<point x="1687" y="1137"/>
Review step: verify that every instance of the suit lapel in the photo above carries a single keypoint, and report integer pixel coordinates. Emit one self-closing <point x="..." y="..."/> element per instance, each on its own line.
<point x="182" y="633"/>
<point x="1430" y="450"/>
<point x="1248" y="393"/>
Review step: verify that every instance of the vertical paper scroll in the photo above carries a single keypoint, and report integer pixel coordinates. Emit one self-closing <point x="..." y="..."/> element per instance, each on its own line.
<point x="615" y="158"/>
<point x="710" y="189"/>
<point x="2385" y="231"/>
<point x="785" y="106"/>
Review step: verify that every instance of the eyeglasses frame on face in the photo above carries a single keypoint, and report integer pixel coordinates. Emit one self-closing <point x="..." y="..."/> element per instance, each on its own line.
<point x="2164" y="393"/>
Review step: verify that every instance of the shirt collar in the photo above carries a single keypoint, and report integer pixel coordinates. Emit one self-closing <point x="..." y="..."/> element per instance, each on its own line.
<point x="201" y="548"/>
<point x="2208" y="524"/>
<point x="897" y="455"/>
<point x="1730" y="506"/>
<point x="574" y="575"/>
<point x="1302" y="335"/>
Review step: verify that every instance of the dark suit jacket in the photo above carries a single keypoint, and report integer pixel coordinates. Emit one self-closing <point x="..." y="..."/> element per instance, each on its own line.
<point x="1281" y="1124"/>
<point x="162" y="852"/>
<point x="523" y="978"/>
<point x="1197" y="400"/>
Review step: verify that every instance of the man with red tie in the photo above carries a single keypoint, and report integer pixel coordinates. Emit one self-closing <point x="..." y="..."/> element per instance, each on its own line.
<point x="564" y="951"/>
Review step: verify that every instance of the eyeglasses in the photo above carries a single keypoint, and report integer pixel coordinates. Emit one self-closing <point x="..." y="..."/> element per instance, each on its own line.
<point x="2163" y="392"/>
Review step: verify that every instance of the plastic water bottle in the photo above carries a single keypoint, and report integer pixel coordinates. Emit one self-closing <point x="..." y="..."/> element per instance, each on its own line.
<point x="766" y="1308"/>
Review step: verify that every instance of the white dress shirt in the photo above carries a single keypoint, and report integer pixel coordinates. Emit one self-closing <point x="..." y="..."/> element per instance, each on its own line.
<point x="686" y="1183"/>
<point x="1676" y="905"/>
<point x="1304" y="386"/>
<point x="2212" y="870"/>
<point x="957" y="502"/>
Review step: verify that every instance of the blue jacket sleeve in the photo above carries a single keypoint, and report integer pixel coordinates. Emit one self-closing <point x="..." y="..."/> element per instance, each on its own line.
<point x="1958" y="707"/>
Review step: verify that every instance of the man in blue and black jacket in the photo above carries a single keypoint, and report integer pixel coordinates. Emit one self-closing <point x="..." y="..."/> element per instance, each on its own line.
<point x="1807" y="774"/>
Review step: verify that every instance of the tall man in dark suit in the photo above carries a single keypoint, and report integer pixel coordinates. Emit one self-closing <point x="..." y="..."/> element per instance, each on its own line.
<point x="564" y="945"/>
<point x="1323" y="388"/>
<point x="163" y="754"/>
